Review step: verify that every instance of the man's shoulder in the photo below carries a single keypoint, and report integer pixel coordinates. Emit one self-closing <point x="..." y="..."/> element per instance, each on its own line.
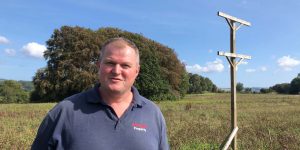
<point x="143" y="101"/>
<point x="69" y="104"/>
<point x="69" y="101"/>
<point x="82" y="95"/>
<point x="148" y="104"/>
<point x="147" y="101"/>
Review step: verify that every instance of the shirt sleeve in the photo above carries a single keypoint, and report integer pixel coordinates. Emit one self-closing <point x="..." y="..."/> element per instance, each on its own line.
<point x="44" y="135"/>
<point x="49" y="135"/>
<point x="164" y="145"/>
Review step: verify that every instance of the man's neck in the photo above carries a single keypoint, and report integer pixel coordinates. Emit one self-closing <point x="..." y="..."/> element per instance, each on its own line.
<point x="115" y="97"/>
<point x="118" y="101"/>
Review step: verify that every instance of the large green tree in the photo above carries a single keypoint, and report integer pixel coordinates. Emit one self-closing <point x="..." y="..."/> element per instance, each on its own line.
<point x="72" y="53"/>
<point x="71" y="64"/>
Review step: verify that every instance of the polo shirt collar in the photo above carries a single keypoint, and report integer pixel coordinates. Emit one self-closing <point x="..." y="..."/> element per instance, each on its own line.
<point x="137" y="98"/>
<point x="94" y="96"/>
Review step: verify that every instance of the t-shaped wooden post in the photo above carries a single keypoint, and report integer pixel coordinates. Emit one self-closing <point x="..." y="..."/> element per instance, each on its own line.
<point x="233" y="22"/>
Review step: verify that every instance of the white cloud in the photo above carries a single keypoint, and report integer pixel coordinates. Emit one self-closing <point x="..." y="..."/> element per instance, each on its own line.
<point x="210" y="50"/>
<point x="3" y="40"/>
<point x="260" y="69"/>
<point x="250" y="70"/>
<point x="263" y="68"/>
<point x="34" y="49"/>
<point x="10" y="52"/>
<point x="215" y="66"/>
<point x="287" y="63"/>
<point x="244" y="63"/>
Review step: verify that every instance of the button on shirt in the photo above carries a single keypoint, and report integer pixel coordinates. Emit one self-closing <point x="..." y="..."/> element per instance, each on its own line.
<point x="84" y="121"/>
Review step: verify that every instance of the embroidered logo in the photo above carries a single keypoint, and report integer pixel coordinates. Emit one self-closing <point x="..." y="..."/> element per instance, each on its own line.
<point x="139" y="127"/>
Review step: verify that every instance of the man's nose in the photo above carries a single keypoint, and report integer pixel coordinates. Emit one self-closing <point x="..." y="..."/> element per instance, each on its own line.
<point x="116" y="69"/>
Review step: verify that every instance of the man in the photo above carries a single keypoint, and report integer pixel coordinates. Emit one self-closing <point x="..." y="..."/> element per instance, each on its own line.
<point x="112" y="115"/>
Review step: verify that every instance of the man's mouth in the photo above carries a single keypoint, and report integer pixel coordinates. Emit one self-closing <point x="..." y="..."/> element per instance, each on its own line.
<point x="115" y="79"/>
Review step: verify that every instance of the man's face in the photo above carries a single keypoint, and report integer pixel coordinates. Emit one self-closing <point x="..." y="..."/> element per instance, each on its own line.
<point x="118" y="68"/>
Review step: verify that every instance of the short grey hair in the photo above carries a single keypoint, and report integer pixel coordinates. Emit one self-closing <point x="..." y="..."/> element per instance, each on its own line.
<point x="124" y="41"/>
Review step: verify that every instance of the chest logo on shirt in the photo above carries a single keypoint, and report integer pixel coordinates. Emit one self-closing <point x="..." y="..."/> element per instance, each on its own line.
<point x="139" y="127"/>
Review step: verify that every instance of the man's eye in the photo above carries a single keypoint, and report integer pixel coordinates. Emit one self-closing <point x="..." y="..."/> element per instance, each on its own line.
<point x="126" y="66"/>
<point x="109" y="63"/>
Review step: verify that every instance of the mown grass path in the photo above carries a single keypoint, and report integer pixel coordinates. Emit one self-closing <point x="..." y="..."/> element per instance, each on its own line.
<point x="266" y="121"/>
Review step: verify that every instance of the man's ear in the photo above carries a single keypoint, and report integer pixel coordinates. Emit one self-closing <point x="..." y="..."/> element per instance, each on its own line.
<point x="138" y="70"/>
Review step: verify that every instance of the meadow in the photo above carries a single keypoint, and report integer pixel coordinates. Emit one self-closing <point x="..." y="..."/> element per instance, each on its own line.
<point x="199" y="121"/>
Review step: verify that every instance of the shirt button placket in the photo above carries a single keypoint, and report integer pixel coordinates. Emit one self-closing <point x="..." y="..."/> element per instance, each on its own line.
<point x="117" y="126"/>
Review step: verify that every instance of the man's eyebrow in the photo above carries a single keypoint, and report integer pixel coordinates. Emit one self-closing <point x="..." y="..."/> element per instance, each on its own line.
<point x="111" y="60"/>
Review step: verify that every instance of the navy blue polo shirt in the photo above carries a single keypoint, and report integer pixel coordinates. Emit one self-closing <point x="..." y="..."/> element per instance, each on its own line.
<point x="84" y="122"/>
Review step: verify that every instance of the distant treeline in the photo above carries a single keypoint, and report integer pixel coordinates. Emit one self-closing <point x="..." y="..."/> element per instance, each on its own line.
<point x="199" y="84"/>
<point x="285" y="88"/>
<point x="15" y="91"/>
<point x="25" y="85"/>
<point x="12" y="91"/>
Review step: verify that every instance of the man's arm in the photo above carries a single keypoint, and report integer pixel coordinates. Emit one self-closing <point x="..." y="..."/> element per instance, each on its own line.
<point x="44" y="135"/>
<point x="164" y="145"/>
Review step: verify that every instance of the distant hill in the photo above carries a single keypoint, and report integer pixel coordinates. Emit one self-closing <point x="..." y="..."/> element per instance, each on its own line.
<point x="253" y="89"/>
<point x="256" y="89"/>
<point x="26" y="85"/>
<point x="225" y="89"/>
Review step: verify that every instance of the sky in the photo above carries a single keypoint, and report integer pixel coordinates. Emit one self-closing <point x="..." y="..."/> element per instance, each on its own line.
<point x="191" y="28"/>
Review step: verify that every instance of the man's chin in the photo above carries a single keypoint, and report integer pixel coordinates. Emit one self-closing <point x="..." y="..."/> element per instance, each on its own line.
<point x="116" y="89"/>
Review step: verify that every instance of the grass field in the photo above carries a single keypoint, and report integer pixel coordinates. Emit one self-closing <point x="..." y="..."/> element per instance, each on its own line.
<point x="266" y="121"/>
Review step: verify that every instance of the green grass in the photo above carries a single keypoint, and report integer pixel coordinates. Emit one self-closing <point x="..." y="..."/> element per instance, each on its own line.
<point x="202" y="121"/>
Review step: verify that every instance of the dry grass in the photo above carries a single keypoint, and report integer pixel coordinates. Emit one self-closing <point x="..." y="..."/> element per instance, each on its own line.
<point x="203" y="121"/>
<point x="19" y="123"/>
<point x="266" y="121"/>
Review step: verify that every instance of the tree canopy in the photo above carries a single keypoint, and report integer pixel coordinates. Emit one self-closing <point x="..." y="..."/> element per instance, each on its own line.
<point x="239" y="87"/>
<point x="12" y="92"/>
<point x="72" y="53"/>
<point x="199" y="84"/>
<point x="295" y="85"/>
<point x="288" y="88"/>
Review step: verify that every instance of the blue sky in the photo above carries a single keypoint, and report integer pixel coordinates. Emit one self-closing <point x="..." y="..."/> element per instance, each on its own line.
<point x="192" y="28"/>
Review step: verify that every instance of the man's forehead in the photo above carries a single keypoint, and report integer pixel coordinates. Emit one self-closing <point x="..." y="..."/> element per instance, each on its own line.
<point x="124" y="54"/>
<point x="117" y="44"/>
<point x="119" y="48"/>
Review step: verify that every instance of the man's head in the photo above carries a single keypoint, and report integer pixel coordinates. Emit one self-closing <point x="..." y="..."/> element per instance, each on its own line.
<point x="118" y="65"/>
<point x="120" y="42"/>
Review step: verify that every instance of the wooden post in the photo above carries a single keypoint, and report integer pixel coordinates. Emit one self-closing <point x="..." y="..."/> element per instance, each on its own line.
<point x="233" y="84"/>
<point x="233" y="65"/>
